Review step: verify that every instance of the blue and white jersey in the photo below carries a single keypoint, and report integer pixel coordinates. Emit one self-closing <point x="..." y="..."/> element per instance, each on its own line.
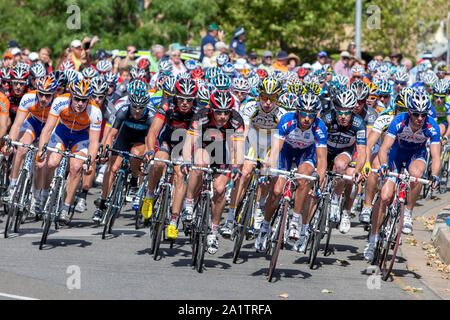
<point x="289" y="131"/>
<point x="408" y="140"/>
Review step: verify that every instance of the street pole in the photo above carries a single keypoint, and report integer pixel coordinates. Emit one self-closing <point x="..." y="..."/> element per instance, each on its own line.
<point x="358" y="14"/>
<point x="448" y="42"/>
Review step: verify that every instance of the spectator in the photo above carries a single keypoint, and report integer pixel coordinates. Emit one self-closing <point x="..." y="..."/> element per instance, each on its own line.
<point x="253" y="60"/>
<point x="44" y="57"/>
<point x="8" y="60"/>
<point x="124" y="74"/>
<point x="25" y="53"/>
<point x="17" y="53"/>
<point x="408" y="63"/>
<point x="13" y="44"/>
<point x="293" y="61"/>
<point x="237" y="44"/>
<point x="343" y="65"/>
<point x="396" y="58"/>
<point x="232" y="55"/>
<point x="65" y="54"/>
<point x="208" y="50"/>
<point x="281" y="63"/>
<point x="267" y="62"/>
<point x="321" y="59"/>
<point x="157" y="51"/>
<point x="130" y="58"/>
<point x="378" y="58"/>
<point x="307" y="67"/>
<point x="76" y="52"/>
<point x="213" y="32"/>
<point x="33" y="57"/>
<point x="219" y="48"/>
<point x="175" y="60"/>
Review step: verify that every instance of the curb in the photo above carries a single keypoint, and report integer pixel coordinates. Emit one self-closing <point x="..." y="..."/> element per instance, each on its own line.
<point x="441" y="235"/>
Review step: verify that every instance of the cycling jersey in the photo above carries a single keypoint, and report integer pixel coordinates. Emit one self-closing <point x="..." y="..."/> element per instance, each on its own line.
<point x="255" y="117"/>
<point x="156" y="98"/>
<point x="4" y="104"/>
<point x="382" y="123"/>
<point x="14" y="103"/>
<point x="444" y="108"/>
<point x="369" y="115"/>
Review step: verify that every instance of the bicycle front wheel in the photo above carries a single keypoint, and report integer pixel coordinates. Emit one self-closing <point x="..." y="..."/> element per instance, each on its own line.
<point x="201" y="239"/>
<point x="318" y="231"/>
<point x="113" y="204"/>
<point x="159" y="223"/>
<point x="279" y="235"/>
<point x="242" y="226"/>
<point x="50" y="210"/>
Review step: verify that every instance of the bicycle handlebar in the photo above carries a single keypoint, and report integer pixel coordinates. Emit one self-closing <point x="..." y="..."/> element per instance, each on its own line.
<point x="211" y="171"/>
<point x="404" y="176"/>
<point x="20" y="144"/>
<point x="293" y="174"/>
<point x="123" y="153"/>
<point x="255" y="160"/>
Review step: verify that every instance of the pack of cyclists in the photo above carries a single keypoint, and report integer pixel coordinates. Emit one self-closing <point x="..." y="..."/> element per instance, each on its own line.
<point x="224" y="118"/>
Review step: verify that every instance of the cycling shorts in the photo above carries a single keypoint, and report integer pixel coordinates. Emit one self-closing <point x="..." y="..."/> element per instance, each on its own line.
<point x="33" y="126"/>
<point x="167" y="144"/>
<point x="333" y="153"/>
<point x="288" y="155"/>
<point x="398" y="156"/>
<point x="74" y="141"/>
<point x="257" y="150"/>
<point x="126" y="139"/>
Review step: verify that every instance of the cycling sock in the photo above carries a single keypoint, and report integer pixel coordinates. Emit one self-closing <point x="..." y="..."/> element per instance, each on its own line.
<point x="215" y="229"/>
<point x="36" y="194"/>
<point x="335" y="198"/>
<point x="151" y="194"/>
<point x="189" y="202"/>
<point x="173" y="220"/>
<point x="265" y="226"/>
<point x="305" y="228"/>
<point x="65" y="207"/>
<point x="102" y="204"/>
<point x="12" y="184"/>
<point x="231" y="213"/>
<point x="133" y="182"/>
<point x="83" y="194"/>
<point x="44" y="194"/>
<point x="408" y="212"/>
<point x="345" y="213"/>
<point x="373" y="238"/>
<point x="261" y="202"/>
<point x="295" y="219"/>
<point x="368" y="206"/>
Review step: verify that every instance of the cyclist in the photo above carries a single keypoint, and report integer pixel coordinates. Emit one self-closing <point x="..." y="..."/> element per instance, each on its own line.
<point x="4" y="116"/>
<point x="361" y="91"/>
<point x="405" y="143"/>
<point x="373" y="145"/>
<point x="19" y="78"/>
<point x="37" y="71"/>
<point x="131" y="124"/>
<point x="439" y="96"/>
<point x="221" y="130"/>
<point x="261" y="118"/>
<point x="301" y="137"/>
<point x="346" y="132"/>
<point x="31" y="117"/>
<point x="73" y="124"/>
<point x="163" y="142"/>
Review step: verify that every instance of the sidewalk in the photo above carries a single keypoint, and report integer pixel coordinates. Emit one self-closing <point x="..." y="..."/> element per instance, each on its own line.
<point x="428" y="243"/>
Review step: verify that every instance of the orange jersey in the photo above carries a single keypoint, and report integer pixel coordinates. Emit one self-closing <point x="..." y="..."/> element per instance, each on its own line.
<point x="89" y="119"/>
<point x="4" y="104"/>
<point x="30" y="104"/>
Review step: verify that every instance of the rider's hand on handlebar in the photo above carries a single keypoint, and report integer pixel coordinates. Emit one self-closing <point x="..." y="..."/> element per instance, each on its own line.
<point x="357" y="177"/>
<point x="235" y="173"/>
<point x="149" y="155"/>
<point x="434" y="181"/>
<point x="365" y="171"/>
<point x="383" y="171"/>
<point x="186" y="168"/>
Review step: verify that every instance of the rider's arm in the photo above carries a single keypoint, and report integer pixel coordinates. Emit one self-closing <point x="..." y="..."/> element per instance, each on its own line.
<point x="384" y="149"/>
<point x="15" y="128"/>
<point x="447" y="134"/>
<point x="4" y="118"/>
<point x="94" y="138"/>
<point x="360" y="149"/>
<point x="321" y="163"/>
<point x="435" y="150"/>
<point x="275" y="149"/>
<point x="150" y="139"/>
<point x="371" y="141"/>
<point x="187" y="148"/>
<point x="47" y="130"/>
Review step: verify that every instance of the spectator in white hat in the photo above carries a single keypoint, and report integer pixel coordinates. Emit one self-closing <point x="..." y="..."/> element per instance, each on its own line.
<point x="267" y="62"/>
<point x="343" y="65"/>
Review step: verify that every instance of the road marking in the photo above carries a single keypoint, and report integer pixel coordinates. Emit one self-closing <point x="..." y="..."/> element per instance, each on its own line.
<point x="12" y="296"/>
<point x="90" y="232"/>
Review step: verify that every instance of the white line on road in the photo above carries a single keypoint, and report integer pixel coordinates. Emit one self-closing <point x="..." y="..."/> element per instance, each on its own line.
<point x="6" y="295"/>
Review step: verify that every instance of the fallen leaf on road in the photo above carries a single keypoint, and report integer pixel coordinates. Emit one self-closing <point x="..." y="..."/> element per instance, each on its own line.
<point x="327" y="291"/>
<point x="445" y="277"/>
<point x="448" y="290"/>
<point x="410" y="268"/>
<point x="283" y="295"/>
<point x="412" y="289"/>
<point x="338" y="261"/>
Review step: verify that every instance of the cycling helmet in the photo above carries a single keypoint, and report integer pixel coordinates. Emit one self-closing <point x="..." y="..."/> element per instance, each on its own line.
<point x="295" y="87"/>
<point x="301" y="72"/>
<point x="137" y="73"/>
<point x="72" y="75"/>
<point x="401" y="76"/>
<point x="373" y="88"/>
<point x="321" y="75"/>
<point x="67" y="65"/>
<point x="184" y="75"/>
<point x="357" y="70"/>
<point x="111" y="78"/>
<point x="430" y="78"/>
<point x="401" y="101"/>
<point x="47" y="84"/>
<point x="221" y="100"/>
<point x="342" y="79"/>
<point x="440" y="67"/>
<point x="165" y="67"/>
<point x="137" y="93"/>
<point x="186" y="87"/>
<point x="327" y="68"/>
<point x="401" y="68"/>
<point x="89" y="73"/>
<point x="419" y="101"/>
<point x="373" y="65"/>
<point x="254" y="81"/>
<point x="37" y="70"/>
<point x="241" y="85"/>
<point x="270" y="86"/>
<point x="309" y="102"/>
<point x="99" y="86"/>
<point x="262" y="73"/>
<point x="334" y="88"/>
<point x="222" y="81"/>
<point x="384" y="87"/>
<point x="228" y="69"/>
<point x="80" y="88"/>
<point x="212" y="72"/>
<point x="169" y="85"/>
<point x="197" y="73"/>
<point x="20" y="71"/>
<point x="143" y="64"/>
<point x="222" y="59"/>
<point x="345" y="100"/>
<point x="104" y="66"/>
<point x="6" y="73"/>
<point x="191" y="65"/>
<point x="288" y="101"/>
<point x="360" y="89"/>
<point x="61" y="78"/>
<point x="440" y="88"/>
<point x="313" y="88"/>
<point x="204" y="92"/>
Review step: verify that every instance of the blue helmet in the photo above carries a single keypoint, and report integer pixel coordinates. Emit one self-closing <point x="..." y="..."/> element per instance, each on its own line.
<point x="419" y="101"/>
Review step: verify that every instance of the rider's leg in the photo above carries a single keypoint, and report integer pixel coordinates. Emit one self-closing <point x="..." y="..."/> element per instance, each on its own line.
<point x="114" y="165"/>
<point x="242" y="184"/>
<point x="379" y="209"/>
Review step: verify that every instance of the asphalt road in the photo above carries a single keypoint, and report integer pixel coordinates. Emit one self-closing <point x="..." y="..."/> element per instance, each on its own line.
<point x="77" y="264"/>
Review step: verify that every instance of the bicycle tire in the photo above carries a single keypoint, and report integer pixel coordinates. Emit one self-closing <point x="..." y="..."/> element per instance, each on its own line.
<point x="193" y="239"/>
<point x="318" y="234"/>
<point x="160" y="224"/>
<point x="243" y="224"/>
<point x="111" y="211"/>
<point x="393" y="238"/>
<point x="206" y="212"/>
<point x="22" y="199"/>
<point x="279" y="234"/>
<point x="139" y="222"/>
<point x="48" y="209"/>
<point x="443" y="176"/>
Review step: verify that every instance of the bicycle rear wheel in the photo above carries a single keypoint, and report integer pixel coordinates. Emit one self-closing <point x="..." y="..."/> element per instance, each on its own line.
<point x="113" y="204"/>
<point x="318" y="233"/>
<point x="279" y="235"/>
<point x="206" y="212"/>
<point x="139" y="222"/>
<point x="242" y="226"/>
<point x="159" y="223"/>
<point x="49" y="209"/>
<point x="392" y="241"/>
<point x="22" y="200"/>
<point x="443" y="176"/>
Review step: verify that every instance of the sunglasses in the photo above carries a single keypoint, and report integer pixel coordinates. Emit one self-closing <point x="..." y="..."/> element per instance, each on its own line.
<point x="16" y="83"/>
<point x="419" y="114"/>
<point x="99" y="96"/>
<point x="372" y="98"/>
<point x="403" y="83"/>
<point x="439" y="97"/>
<point x="221" y="112"/>
<point x="78" y="99"/>
<point x="307" y="114"/>
<point x="185" y="99"/>
<point x="138" y="107"/>
<point x="265" y="98"/>
<point x="46" y="95"/>
<point x="343" y="113"/>
<point x="384" y="96"/>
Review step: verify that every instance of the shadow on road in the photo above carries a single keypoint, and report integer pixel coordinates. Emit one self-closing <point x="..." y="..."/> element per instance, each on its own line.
<point x="207" y="263"/>
<point x="53" y="243"/>
<point x="283" y="273"/>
